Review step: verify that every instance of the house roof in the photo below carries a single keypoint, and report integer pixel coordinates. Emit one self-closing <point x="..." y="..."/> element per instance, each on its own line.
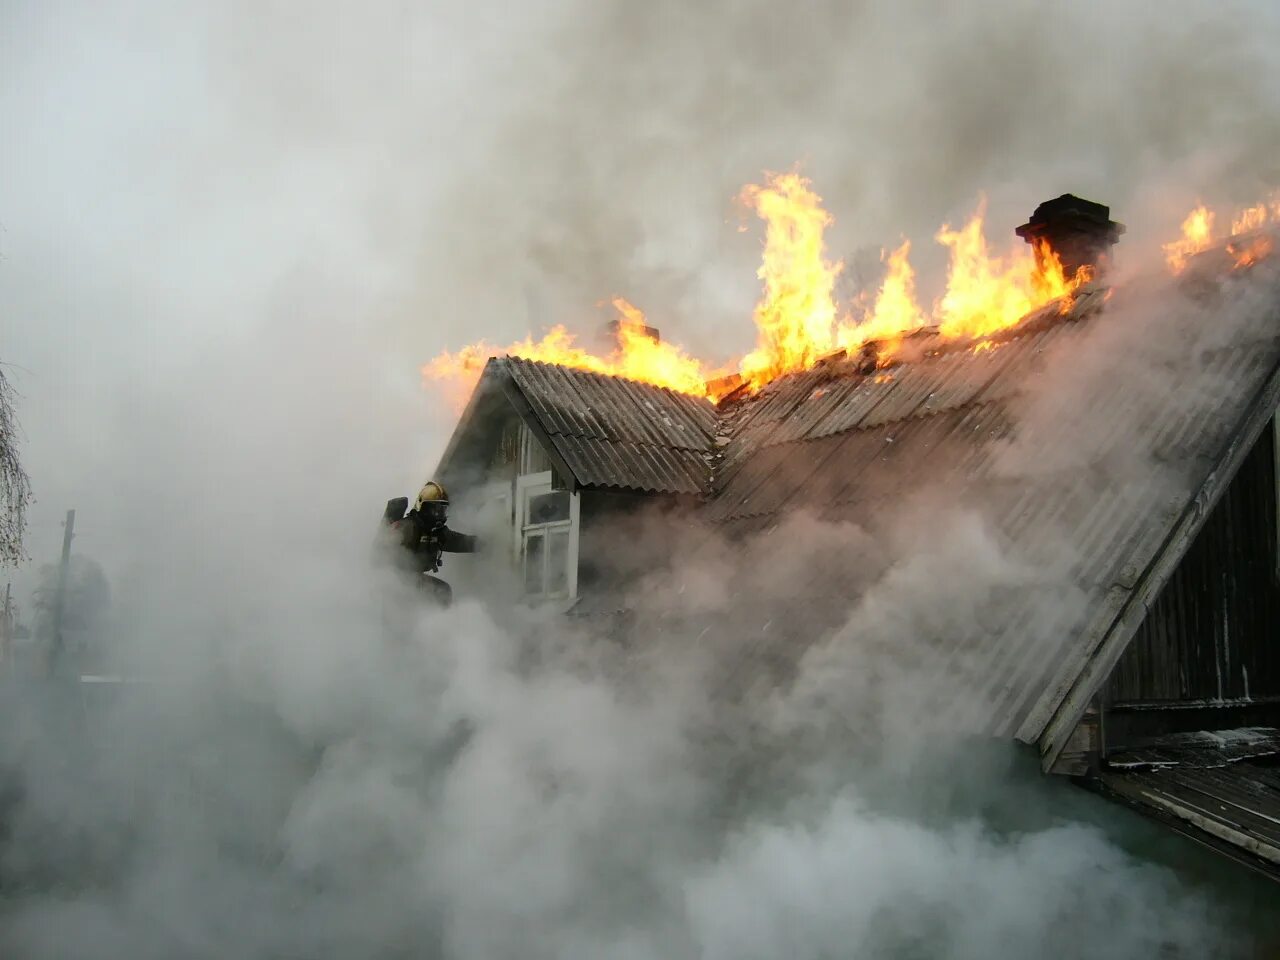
<point x="619" y="433"/>
<point x="846" y="446"/>
<point x="987" y="428"/>
<point x="605" y="432"/>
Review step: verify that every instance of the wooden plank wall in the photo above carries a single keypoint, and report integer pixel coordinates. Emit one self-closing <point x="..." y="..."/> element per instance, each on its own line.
<point x="1213" y="634"/>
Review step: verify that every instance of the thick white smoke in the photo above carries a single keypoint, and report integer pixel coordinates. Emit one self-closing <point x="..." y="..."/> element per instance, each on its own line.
<point x="231" y="234"/>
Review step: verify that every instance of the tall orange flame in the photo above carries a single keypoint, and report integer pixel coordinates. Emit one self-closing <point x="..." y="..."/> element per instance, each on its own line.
<point x="641" y="357"/>
<point x="986" y="294"/>
<point x="795" y="318"/>
<point x="895" y="312"/>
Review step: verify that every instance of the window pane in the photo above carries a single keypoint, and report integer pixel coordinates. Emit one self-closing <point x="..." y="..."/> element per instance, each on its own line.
<point x="533" y="459"/>
<point x="549" y="507"/>
<point x="558" y="562"/>
<point x="533" y="547"/>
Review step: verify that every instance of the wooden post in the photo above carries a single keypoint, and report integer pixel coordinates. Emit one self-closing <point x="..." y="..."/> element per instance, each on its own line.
<point x="6" y="624"/>
<point x="55" y="650"/>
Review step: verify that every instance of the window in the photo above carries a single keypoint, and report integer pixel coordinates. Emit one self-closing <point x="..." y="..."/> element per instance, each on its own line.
<point x="557" y="572"/>
<point x="549" y="507"/>
<point x="533" y="459"/>
<point x="548" y="537"/>
<point x="534" y="562"/>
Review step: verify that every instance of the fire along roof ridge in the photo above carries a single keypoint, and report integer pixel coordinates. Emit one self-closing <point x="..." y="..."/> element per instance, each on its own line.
<point x="841" y="364"/>
<point x="715" y="431"/>
<point x="854" y="395"/>
<point x="582" y="371"/>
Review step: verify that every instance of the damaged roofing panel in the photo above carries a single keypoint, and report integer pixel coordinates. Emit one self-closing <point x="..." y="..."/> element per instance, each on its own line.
<point x="962" y="378"/>
<point x="751" y="423"/>
<point x="822" y="399"/>
<point x="913" y="385"/>
<point x="855" y="405"/>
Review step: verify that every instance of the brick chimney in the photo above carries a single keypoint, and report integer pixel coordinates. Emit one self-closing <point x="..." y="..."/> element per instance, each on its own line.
<point x="1080" y="232"/>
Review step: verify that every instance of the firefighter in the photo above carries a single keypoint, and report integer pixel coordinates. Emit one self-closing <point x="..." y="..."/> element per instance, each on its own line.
<point x="420" y="537"/>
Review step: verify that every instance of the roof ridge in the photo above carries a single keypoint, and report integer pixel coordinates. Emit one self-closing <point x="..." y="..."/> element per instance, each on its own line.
<point x="569" y="368"/>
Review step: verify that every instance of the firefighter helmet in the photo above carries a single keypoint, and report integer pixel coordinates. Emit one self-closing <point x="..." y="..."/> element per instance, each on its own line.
<point x="432" y="503"/>
<point x="431" y="492"/>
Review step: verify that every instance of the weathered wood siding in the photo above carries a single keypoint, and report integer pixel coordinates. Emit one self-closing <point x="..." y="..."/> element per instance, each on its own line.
<point x="1214" y="632"/>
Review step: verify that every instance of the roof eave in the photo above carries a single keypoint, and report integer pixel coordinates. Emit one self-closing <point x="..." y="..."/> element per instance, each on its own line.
<point x="483" y="389"/>
<point x="524" y="410"/>
<point x="497" y="380"/>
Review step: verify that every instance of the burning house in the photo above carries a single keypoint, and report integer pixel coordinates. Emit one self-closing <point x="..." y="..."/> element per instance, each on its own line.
<point x="1119" y="443"/>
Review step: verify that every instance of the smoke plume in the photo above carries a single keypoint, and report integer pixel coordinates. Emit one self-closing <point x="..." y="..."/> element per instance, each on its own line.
<point x="229" y="236"/>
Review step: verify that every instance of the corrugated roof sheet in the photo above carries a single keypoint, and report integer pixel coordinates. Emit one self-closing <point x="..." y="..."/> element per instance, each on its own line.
<point x="847" y="444"/>
<point x="618" y="433"/>
<point x="849" y="448"/>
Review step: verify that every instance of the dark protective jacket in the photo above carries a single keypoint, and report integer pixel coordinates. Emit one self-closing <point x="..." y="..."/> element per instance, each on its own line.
<point x="423" y="544"/>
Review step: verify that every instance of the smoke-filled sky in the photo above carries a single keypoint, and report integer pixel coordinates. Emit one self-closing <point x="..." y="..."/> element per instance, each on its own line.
<point x="230" y="234"/>
<point x="228" y="230"/>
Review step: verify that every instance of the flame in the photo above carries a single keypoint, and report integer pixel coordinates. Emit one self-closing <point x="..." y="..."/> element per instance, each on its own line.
<point x="1247" y="251"/>
<point x="1246" y="245"/>
<point x="636" y="356"/>
<point x="1258" y="216"/>
<point x="798" y="323"/>
<point x="986" y="294"/>
<point x="640" y="357"/>
<point x="895" y="312"/>
<point x="1197" y="236"/>
<point x="795" y="318"/>
<point x="1250" y="218"/>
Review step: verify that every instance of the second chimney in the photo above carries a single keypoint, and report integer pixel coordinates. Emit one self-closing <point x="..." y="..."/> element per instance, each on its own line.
<point x="1080" y="232"/>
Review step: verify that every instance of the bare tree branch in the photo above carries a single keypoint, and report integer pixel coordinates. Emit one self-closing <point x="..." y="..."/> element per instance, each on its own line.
<point x="15" y="487"/>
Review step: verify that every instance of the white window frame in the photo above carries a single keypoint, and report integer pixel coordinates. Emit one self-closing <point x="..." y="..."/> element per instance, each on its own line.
<point x="534" y="484"/>
<point x="531" y="453"/>
<point x="503" y="492"/>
